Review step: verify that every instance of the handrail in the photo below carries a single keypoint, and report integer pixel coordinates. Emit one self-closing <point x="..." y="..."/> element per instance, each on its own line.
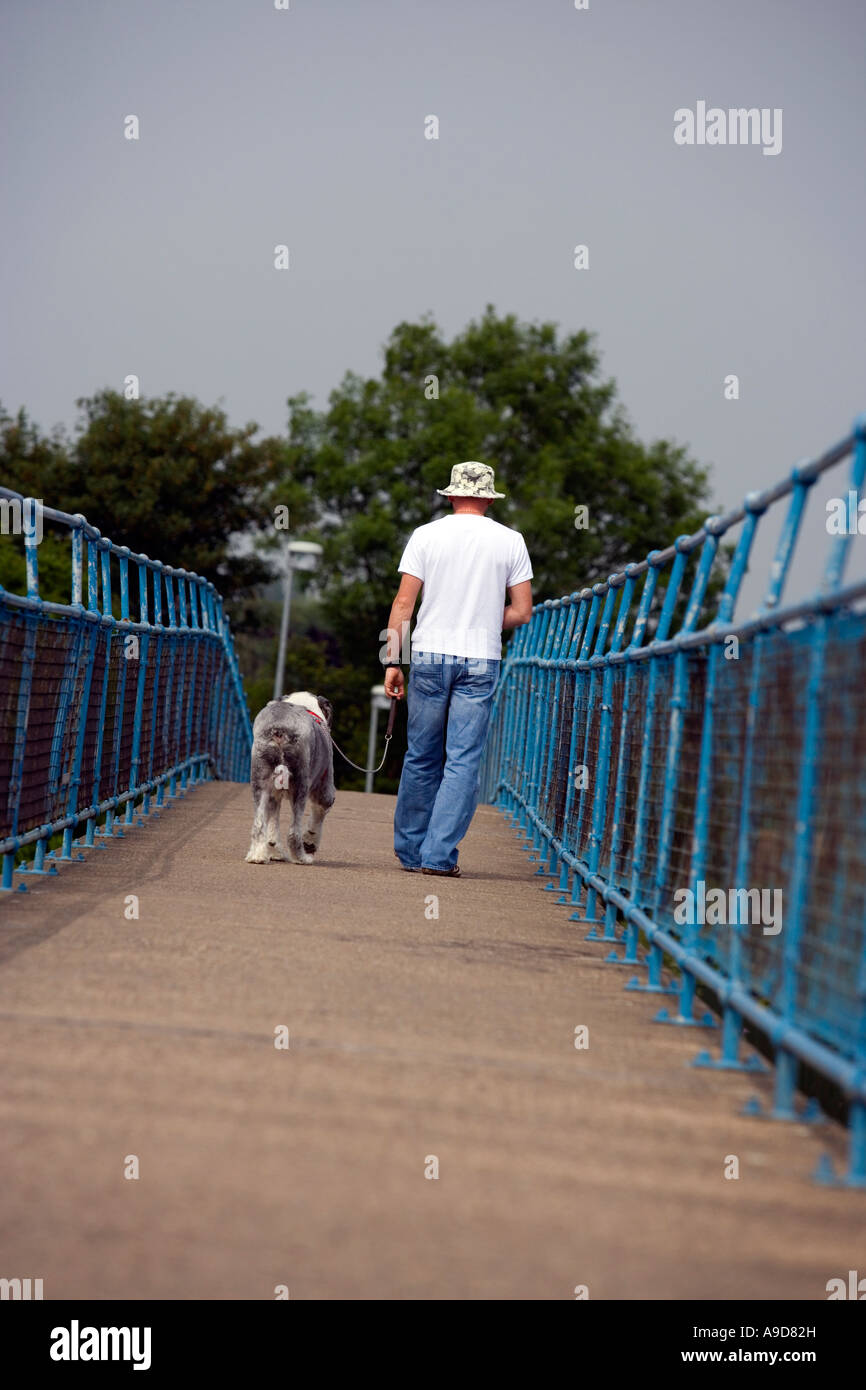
<point x="658" y="753"/>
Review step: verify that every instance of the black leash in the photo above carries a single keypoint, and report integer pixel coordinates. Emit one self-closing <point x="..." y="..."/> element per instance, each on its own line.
<point x="388" y="732"/>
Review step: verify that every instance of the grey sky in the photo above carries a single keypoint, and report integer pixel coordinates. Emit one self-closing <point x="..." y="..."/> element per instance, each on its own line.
<point x="306" y="127"/>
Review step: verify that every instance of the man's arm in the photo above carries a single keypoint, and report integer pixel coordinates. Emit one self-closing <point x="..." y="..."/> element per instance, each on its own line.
<point x="518" y="610"/>
<point x="401" y="612"/>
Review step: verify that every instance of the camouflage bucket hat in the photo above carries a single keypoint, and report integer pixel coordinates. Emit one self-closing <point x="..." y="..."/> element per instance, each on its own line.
<point x="470" y="480"/>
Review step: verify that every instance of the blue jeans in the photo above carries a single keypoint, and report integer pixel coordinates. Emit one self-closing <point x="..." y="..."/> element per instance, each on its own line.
<point x="450" y="698"/>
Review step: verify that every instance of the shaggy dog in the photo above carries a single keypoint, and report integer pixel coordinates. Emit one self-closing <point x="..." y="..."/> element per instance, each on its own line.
<point x="292" y="757"/>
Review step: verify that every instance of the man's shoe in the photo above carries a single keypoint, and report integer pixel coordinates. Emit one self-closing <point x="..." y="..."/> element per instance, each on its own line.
<point x="407" y="868"/>
<point x="453" y="872"/>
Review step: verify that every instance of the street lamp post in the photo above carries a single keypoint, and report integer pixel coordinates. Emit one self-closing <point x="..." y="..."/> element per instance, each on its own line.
<point x="300" y="555"/>
<point x="378" y="700"/>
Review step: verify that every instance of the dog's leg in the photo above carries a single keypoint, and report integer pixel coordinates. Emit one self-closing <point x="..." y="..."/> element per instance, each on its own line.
<point x="321" y="800"/>
<point x="312" y="835"/>
<point x="275" y="849"/>
<point x="295" y="832"/>
<point x="258" y="852"/>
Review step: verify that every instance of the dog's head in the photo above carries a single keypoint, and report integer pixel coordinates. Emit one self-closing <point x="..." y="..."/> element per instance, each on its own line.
<point x="316" y="704"/>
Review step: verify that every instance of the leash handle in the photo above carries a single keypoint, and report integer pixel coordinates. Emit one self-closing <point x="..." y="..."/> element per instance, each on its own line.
<point x="391" y="717"/>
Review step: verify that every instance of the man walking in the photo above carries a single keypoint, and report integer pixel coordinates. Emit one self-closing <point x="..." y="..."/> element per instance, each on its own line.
<point x="475" y="575"/>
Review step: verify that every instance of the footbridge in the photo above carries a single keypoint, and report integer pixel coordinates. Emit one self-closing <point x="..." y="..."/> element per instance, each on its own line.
<point x="624" y="1056"/>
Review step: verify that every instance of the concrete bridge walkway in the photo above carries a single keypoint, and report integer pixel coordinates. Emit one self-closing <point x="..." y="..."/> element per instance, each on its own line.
<point x="411" y="1036"/>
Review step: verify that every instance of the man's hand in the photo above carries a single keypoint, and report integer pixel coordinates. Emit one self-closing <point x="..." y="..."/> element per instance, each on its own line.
<point x="394" y="683"/>
<point x="401" y="613"/>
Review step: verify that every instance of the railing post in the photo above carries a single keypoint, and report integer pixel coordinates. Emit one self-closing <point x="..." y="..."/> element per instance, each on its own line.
<point x="79" y="670"/>
<point x="190" y="652"/>
<point x="731" y="1020"/>
<point x="81" y="733"/>
<point x="518" y="712"/>
<point x="22" y="712"/>
<point x="636" y="893"/>
<point x="135" y="759"/>
<point x="599" y="809"/>
<point x="570" y="611"/>
<point x="93" y="607"/>
<point x="582" y="706"/>
<point x="32" y="508"/>
<point x="676" y="728"/>
<point x="534" y="725"/>
<point x="551" y="722"/>
<point x="157" y="658"/>
<point x="111" y="829"/>
<point x="583" y="602"/>
<point x="623" y="761"/>
<point x="171" y="722"/>
<point x="597" y="773"/>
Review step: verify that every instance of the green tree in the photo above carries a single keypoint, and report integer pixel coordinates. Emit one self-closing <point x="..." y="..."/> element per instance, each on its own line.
<point x="518" y="396"/>
<point x="166" y="476"/>
<point x="26" y="458"/>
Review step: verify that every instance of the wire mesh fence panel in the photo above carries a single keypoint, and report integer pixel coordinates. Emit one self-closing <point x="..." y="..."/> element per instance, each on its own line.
<point x="679" y="851"/>
<point x="831" y="968"/>
<point x="557" y="791"/>
<point x="654" y="762"/>
<point x="725" y="792"/>
<point x="101" y="709"/>
<point x="638" y="677"/>
<point x="581" y="799"/>
<point x="779" y="716"/>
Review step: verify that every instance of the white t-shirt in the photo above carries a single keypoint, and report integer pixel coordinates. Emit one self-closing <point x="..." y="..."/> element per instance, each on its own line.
<point x="466" y="563"/>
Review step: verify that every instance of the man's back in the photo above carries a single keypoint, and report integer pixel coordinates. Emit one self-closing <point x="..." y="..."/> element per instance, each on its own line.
<point x="465" y="562"/>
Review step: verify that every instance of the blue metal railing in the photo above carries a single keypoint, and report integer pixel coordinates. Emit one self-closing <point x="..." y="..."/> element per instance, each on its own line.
<point x="664" y="757"/>
<point x="99" y="711"/>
